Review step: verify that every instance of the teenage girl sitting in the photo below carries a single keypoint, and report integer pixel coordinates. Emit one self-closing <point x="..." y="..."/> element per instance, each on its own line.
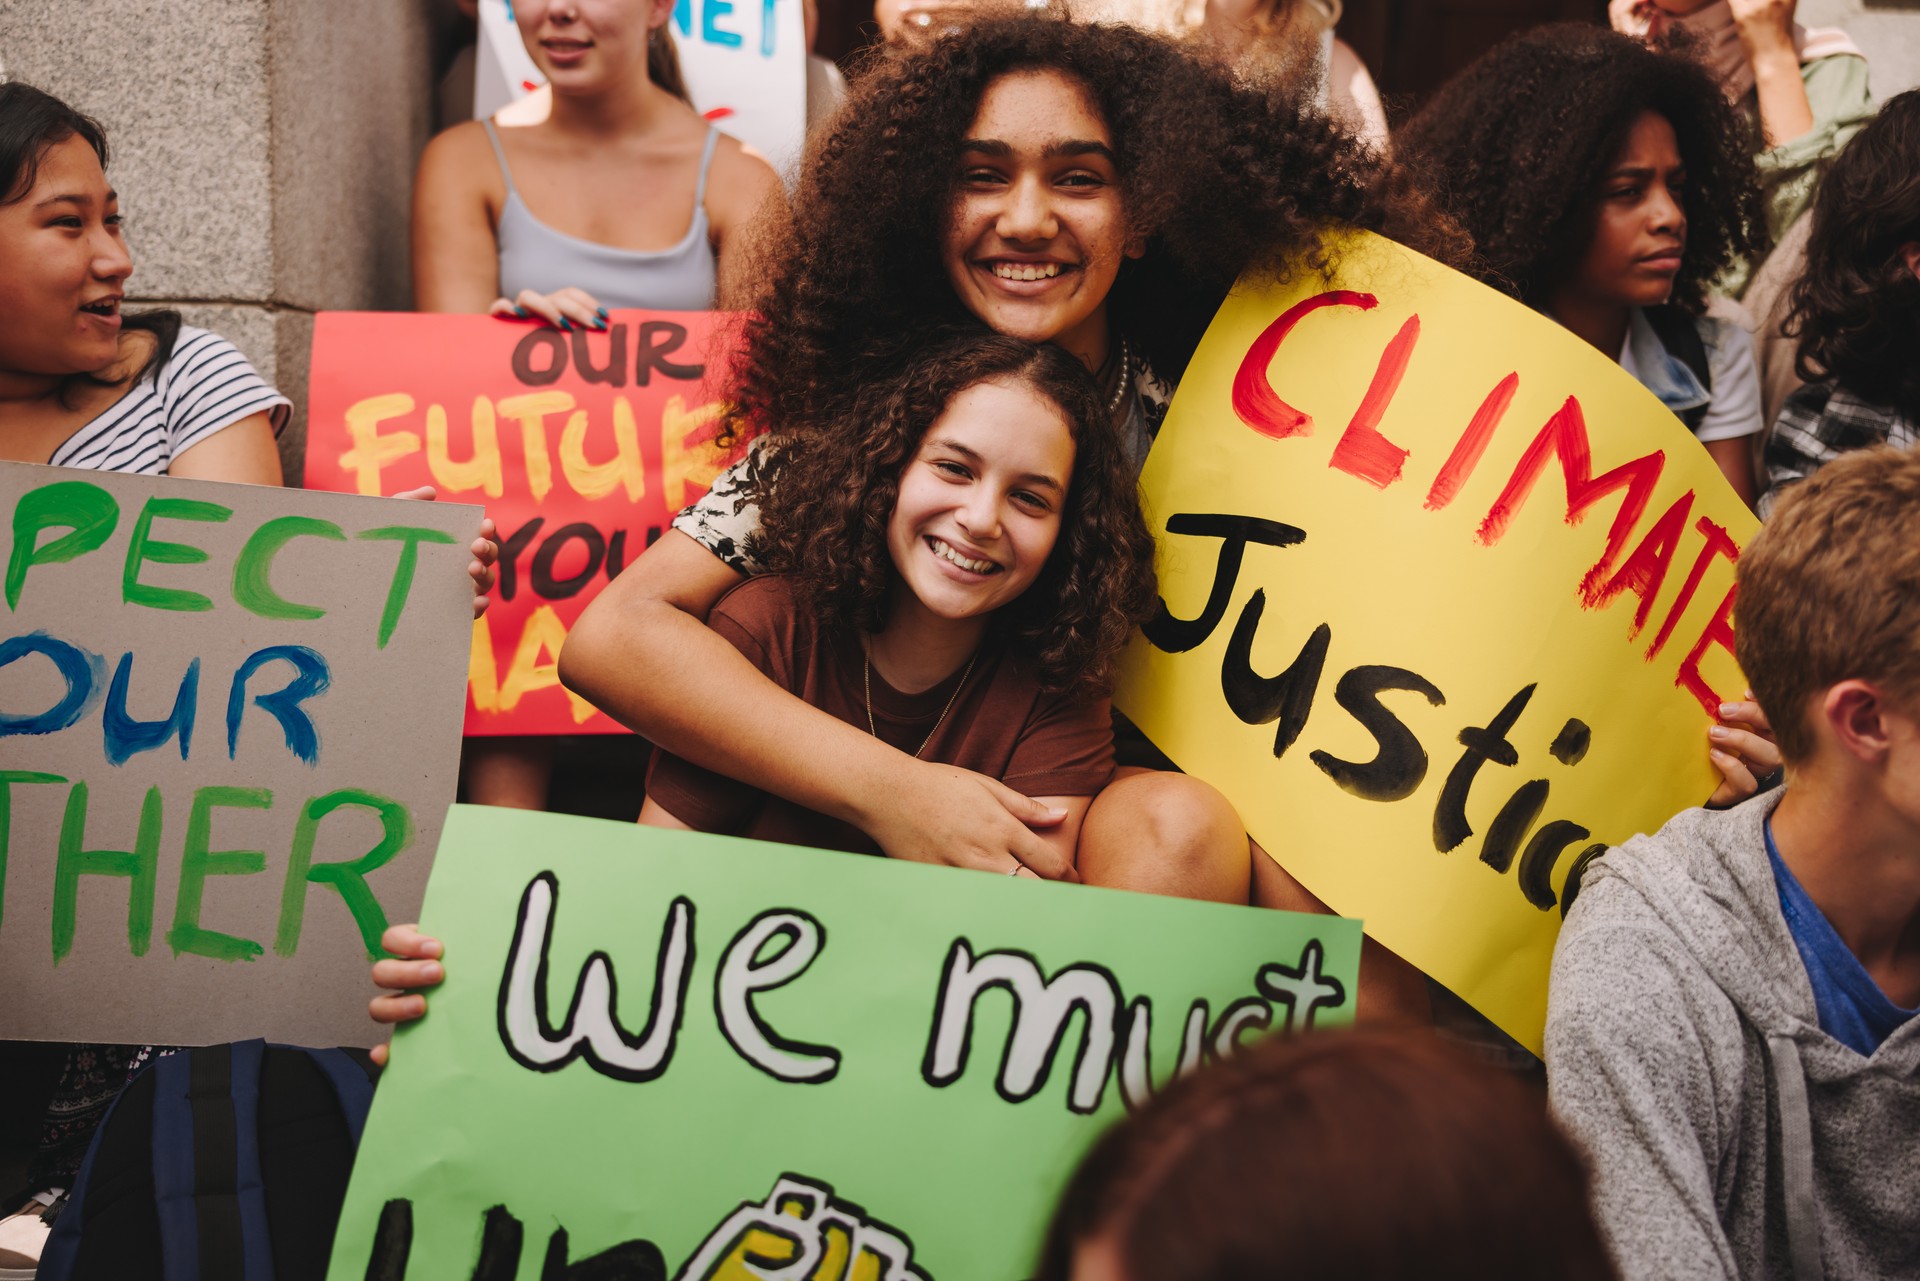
<point x="1607" y="184"/>
<point x="621" y="196"/>
<point x="955" y="575"/>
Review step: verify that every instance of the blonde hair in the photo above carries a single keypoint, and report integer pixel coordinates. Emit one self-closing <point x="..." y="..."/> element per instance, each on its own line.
<point x="1830" y="590"/>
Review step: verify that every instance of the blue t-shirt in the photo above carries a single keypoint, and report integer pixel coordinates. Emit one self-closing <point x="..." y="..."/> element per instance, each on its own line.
<point x="1852" y="1008"/>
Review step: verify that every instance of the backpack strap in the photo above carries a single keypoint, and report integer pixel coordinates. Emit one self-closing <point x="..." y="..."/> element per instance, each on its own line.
<point x="1679" y="333"/>
<point x="206" y="1159"/>
<point x="173" y="1168"/>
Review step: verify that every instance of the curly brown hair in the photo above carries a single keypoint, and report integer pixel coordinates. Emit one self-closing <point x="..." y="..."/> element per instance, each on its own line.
<point x="1517" y="145"/>
<point x="824" y="511"/>
<point x="1856" y="307"/>
<point x="1216" y="177"/>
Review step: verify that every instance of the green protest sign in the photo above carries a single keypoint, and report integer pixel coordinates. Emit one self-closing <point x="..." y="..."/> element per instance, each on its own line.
<point x="699" y="1057"/>
<point x="229" y="728"/>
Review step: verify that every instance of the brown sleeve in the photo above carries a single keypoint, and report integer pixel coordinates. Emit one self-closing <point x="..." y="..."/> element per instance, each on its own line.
<point x="1066" y="749"/>
<point x="700" y="798"/>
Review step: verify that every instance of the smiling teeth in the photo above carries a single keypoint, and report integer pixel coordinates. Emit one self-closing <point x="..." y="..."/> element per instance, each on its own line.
<point x="1026" y="270"/>
<point x="944" y="549"/>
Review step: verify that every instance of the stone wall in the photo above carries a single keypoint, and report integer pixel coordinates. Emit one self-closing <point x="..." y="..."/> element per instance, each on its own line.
<point x="263" y="151"/>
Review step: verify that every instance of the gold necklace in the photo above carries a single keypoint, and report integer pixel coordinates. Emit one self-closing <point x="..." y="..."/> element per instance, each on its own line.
<point x="867" y="681"/>
<point x="1120" y="385"/>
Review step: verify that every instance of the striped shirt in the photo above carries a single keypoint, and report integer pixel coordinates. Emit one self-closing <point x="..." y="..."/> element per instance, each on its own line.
<point x="206" y="385"/>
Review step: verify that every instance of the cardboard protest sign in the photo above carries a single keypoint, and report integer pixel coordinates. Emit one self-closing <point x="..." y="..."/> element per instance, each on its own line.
<point x="744" y="61"/>
<point x="1445" y="607"/>
<point x="229" y="727"/>
<point x="818" y="1065"/>
<point x="582" y="445"/>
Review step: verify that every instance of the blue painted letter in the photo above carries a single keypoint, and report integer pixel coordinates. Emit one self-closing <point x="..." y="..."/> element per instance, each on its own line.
<point x="126" y="736"/>
<point x="311" y="679"/>
<point x="78" y="668"/>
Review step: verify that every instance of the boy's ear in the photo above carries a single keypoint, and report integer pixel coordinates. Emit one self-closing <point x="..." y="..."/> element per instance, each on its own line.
<point x="1855" y="716"/>
<point x="1910" y="254"/>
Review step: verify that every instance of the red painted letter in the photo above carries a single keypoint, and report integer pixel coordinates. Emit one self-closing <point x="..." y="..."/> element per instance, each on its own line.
<point x="1719" y="543"/>
<point x="1473" y="443"/>
<point x="1253" y="396"/>
<point x="1645" y="572"/>
<point x="1719" y="632"/>
<point x="1565" y="436"/>
<point x="1362" y="450"/>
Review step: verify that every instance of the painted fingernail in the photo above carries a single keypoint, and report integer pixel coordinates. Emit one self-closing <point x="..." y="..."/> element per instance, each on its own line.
<point x="603" y="314"/>
<point x="519" y="311"/>
<point x="566" y="324"/>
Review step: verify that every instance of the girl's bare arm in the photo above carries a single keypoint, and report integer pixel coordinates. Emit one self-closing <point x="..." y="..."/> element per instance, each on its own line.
<point x="643" y="654"/>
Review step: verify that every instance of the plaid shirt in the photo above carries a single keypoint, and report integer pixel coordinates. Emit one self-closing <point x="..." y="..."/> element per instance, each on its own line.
<point x="1819" y="423"/>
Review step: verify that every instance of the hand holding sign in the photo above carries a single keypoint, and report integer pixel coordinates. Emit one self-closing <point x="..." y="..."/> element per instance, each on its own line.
<point x="241" y="721"/>
<point x="582" y="444"/>
<point x="707" y="1051"/>
<point x="1446" y="601"/>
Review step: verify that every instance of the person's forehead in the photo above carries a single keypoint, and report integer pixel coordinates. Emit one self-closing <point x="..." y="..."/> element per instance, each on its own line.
<point x="1039" y="103"/>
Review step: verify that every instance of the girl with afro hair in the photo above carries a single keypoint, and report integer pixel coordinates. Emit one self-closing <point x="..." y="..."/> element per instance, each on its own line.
<point x="1608" y="183"/>
<point x="1093" y="187"/>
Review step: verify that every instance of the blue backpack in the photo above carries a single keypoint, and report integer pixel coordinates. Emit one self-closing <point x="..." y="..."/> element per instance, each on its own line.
<point x="218" y="1163"/>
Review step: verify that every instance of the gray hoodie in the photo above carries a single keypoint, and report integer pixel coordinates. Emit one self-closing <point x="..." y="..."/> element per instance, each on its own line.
<point x="1729" y="1136"/>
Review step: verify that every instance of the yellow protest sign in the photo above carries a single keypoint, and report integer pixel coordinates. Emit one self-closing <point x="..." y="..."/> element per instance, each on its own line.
<point x="1445" y="607"/>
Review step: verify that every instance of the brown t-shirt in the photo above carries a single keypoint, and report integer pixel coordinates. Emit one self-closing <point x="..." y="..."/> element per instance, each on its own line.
<point x="1000" y="724"/>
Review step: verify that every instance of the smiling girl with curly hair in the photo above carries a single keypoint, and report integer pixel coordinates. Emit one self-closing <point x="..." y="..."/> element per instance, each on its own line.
<point x="956" y="573"/>
<point x="1093" y="187"/>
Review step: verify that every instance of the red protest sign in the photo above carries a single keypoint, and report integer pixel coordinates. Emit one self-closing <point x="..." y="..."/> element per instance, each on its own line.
<point x="581" y="445"/>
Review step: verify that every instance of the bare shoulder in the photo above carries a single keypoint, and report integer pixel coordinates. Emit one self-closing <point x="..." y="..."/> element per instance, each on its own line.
<point x="739" y="183"/>
<point x="460" y="157"/>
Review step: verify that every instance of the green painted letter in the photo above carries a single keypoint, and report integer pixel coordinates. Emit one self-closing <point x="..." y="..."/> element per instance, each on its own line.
<point x="141" y="548"/>
<point x="87" y="512"/>
<point x="198" y="862"/>
<point x="250" y="571"/>
<point x="348" y="879"/>
<point x="8" y="777"/>
<point x="140" y="866"/>
<point x="409" y="537"/>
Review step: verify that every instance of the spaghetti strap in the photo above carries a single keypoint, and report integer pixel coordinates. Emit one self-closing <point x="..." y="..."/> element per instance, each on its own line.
<point x="499" y="153"/>
<point x="706" y="162"/>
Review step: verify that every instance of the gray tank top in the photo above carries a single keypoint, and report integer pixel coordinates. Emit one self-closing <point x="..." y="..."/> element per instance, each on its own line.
<point x="535" y="256"/>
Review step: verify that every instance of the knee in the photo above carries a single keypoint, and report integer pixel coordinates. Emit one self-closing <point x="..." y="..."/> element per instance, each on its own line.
<point x="1166" y="833"/>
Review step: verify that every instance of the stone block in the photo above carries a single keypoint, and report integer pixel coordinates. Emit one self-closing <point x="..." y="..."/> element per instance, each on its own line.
<point x="351" y="92"/>
<point x="182" y="92"/>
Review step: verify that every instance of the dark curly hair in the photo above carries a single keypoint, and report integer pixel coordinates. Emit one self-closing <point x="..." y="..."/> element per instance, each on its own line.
<point x="825" y="509"/>
<point x="1516" y="147"/>
<point x="1216" y="177"/>
<point x="31" y="121"/>
<point x="1856" y="307"/>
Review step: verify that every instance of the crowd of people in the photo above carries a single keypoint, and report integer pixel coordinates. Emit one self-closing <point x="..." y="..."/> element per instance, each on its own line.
<point x="962" y="326"/>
